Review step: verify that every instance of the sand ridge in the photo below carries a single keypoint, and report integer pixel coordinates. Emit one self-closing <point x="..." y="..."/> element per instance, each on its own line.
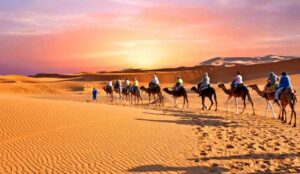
<point x="65" y="132"/>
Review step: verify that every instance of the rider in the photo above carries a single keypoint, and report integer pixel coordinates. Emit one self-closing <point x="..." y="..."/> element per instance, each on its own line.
<point x="109" y="84"/>
<point x="154" y="82"/>
<point x="127" y="82"/>
<point x="271" y="82"/>
<point x="204" y="83"/>
<point x="127" y="85"/>
<point x="135" y="84"/>
<point x="285" y="83"/>
<point x="237" y="81"/>
<point x="118" y="85"/>
<point x="179" y="84"/>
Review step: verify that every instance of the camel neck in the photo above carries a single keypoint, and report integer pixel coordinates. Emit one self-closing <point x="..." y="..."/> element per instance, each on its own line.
<point x="259" y="92"/>
<point x="227" y="91"/>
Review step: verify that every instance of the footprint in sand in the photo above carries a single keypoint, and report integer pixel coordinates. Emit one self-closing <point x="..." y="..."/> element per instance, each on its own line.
<point x="230" y="146"/>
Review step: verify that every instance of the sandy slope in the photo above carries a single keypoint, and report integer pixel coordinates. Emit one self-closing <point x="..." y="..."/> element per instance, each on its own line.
<point x="53" y="136"/>
<point x="47" y="125"/>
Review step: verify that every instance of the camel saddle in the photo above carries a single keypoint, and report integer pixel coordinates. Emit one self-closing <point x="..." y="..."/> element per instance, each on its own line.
<point x="272" y="88"/>
<point x="204" y="87"/>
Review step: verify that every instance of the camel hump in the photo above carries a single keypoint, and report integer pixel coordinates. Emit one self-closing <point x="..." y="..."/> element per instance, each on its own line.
<point x="241" y="88"/>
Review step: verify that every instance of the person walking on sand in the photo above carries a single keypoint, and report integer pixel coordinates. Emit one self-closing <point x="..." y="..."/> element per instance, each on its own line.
<point x="95" y="93"/>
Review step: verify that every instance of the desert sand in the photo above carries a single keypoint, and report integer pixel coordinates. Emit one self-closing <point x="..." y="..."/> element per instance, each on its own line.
<point x="50" y="125"/>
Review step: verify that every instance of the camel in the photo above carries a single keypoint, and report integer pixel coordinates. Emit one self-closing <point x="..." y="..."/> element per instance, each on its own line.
<point x="210" y="93"/>
<point x="109" y="93"/>
<point x="126" y="93"/>
<point x="136" y="94"/>
<point x="268" y="96"/>
<point x="180" y="93"/>
<point x="287" y="97"/>
<point x="240" y="92"/>
<point x="119" y="91"/>
<point x="153" y="92"/>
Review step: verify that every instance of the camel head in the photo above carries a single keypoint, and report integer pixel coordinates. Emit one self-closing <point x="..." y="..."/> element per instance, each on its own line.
<point x="221" y="85"/>
<point x="166" y="89"/>
<point x="194" y="88"/>
<point x="143" y="88"/>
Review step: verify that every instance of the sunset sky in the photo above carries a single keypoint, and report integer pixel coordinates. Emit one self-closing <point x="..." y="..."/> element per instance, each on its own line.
<point x="66" y="36"/>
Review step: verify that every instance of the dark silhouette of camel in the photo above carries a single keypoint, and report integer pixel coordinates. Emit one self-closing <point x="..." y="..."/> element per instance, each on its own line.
<point x="210" y="93"/>
<point x="180" y="93"/>
<point x="239" y="92"/>
<point x="154" y="91"/>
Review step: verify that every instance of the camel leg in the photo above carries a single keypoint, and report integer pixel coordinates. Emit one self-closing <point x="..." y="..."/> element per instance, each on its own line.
<point x="236" y="105"/>
<point x="283" y="116"/>
<point x="250" y="100"/>
<point x="272" y="109"/>
<point x="244" y="102"/>
<point x="155" y="99"/>
<point x="280" y="110"/>
<point x="211" y="103"/>
<point x="161" y="99"/>
<point x="203" y="103"/>
<point x="187" y="102"/>
<point x="141" y="99"/>
<point x="295" y="118"/>
<point x="267" y="107"/>
<point x="174" y="98"/>
<point x="149" y="98"/>
<point x="227" y="103"/>
<point x="216" y="102"/>
<point x="292" y="112"/>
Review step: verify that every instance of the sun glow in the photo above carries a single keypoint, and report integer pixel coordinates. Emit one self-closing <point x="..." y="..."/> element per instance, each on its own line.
<point x="145" y="58"/>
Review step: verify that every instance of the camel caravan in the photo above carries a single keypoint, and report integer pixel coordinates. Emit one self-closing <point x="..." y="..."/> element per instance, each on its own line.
<point x="281" y="93"/>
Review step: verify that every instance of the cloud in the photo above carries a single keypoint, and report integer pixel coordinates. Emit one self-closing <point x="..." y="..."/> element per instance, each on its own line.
<point x="53" y="33"/>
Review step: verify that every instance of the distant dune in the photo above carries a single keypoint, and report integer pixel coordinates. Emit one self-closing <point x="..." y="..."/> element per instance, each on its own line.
<point x="220" y="73"/>
<point x="231" y="61"/>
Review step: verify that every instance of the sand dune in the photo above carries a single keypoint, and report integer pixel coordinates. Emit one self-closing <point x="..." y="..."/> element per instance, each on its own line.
<point x="51" y="136"/>
<point x="232" y="61"/>
<point x="192" y="74"/>
<point x="50" y="125"/>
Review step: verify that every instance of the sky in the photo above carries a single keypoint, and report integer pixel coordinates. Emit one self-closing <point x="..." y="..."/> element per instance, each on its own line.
<point x="69" y="36"/>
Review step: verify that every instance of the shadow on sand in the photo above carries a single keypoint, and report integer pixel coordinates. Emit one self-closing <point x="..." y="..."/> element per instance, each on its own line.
<point x="191" y="118"/>
<point x="185" y="170"/>
<point x="262" y="156"/>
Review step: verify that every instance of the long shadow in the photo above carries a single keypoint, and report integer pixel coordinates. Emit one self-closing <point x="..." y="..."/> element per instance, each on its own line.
<point x="266" y="156"/>
<point x="186" y="170"/>
<point x="192" y="119"/>
<point x="281" y="169"/>
<point x="186" y="115"/>
<point x="216" y="123"/>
